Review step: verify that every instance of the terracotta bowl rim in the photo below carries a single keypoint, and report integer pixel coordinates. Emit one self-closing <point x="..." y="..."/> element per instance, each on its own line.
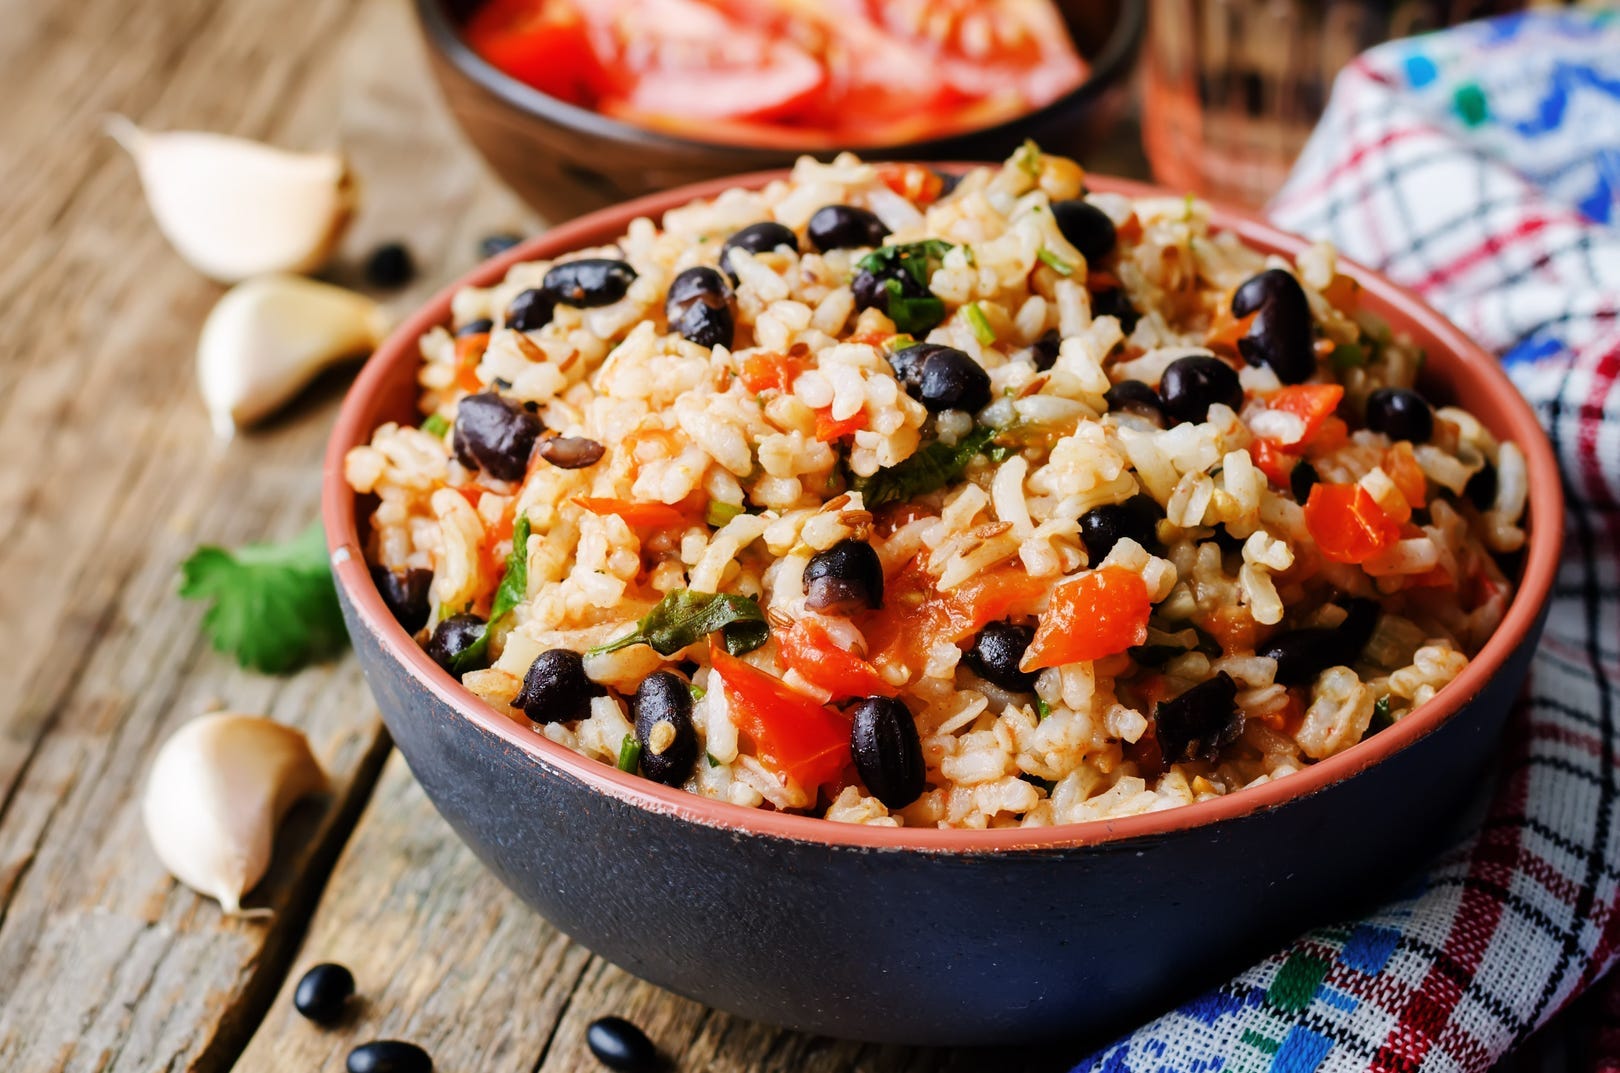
<point x="349" y="568"/>
<point x="1112" y="64"/>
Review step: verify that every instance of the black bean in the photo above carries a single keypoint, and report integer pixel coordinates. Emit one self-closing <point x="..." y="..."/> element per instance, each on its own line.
<point x="494" y="435"/>
<point x="1400" y="414"/>
<point x="571" y="452"/>
<point x="322" y="992"/>
<point x="699" y="307"/>
<point x="665" y="699"/>
<point x="1192" y="384"/>
<point x="476" y="327"/>
<point x="1302" y="480"/>
<point x="1224" y="539"/>
<point x="589" y="282"/>
<point x="389" y="1056"/>
<point x="1114" y="302"/>
<point x="1302" y="655"/>
<point x="948" y="182"/>
<point x="841" y="227"/>
<point x="942" y="377"/>
<point x="454" y="636"/>
<point x="1481" y="487"/>
<point x="1088" y="228"/>
<point x="621" y="1046"/>
<point x="762" y="237"/>
<point x="405" y="594"/>
<point x="1280" y="335"/>
<point x="555" y="689"/>
<point x="494" y="245"/>
<point x="1200" y="721"/>
<point x="390" y="266"/>
<point x="1103" y="527"/>
<point x="996" y="653"/>
<point x="888" y="754"/>
<point x="1268" y="286"/>
<point x="530" y="311"/>
<point x="1135" y="397"/>
<point x="845" y="577"/>
<point x="1044" y="351"/>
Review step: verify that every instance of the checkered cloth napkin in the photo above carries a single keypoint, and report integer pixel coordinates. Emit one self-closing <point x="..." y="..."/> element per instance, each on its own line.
<point x="1479" y="166"/>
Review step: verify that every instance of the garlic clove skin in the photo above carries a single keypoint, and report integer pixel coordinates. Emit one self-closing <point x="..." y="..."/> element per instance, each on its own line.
<point x="267" y="338"/>
<point x="218" y="789"/>
<point x="235" y="208"/>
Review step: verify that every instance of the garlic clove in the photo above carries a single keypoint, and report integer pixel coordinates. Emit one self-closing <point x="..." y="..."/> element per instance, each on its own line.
<point x="235" y="208"/>
<point x="218" y="789"/>
<point x="267" y="338"/>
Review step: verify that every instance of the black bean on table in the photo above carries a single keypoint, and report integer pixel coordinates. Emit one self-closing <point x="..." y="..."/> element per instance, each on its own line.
<point x="1481" y="487"/>
<point x="1103" y="527"/>
<point x="406" y="594"/>
<point x="1400" y="414"/>
<point x="452" y="637"/>
<point x="1200" y="722"/>
<point x="555" y="688"/>
<point x="1191" y="385"/>
<point x="996" y="653"/>
<point x="530" y="311"/>
<point x="621" y="1046"/>
<point x="847" y="576"/>
<point x="588" y="282"/>
<point x="1088" y="229"/>
<point x="1302" y="479"/>
<point x="495" y="435"/>
<point x="887" y="751"/>
<point x="842" y="227"/>
<point x="571" y="452"/>
<point x="476" y="327"/>
<point x="664" y="700"/>
<point x="323" y="992"/>
<point x="389" y="1056"/>
<point x="1136" y="397"/>
<point x="698" y="306"/>
<point x="390" y="265"/>
<point x="762" y="237"/>
<point x="942" y="377"/>
<point x="1044" y="351"/>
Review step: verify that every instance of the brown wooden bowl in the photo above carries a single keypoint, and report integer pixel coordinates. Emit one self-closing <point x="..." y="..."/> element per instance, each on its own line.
<point x="565" y="160"/>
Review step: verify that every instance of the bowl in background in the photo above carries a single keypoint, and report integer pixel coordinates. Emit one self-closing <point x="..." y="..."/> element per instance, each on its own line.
<point x="926" y="935"/>
<point x="563" y="159"/>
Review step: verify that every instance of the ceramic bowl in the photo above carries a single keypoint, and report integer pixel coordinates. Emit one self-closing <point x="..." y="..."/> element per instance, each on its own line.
<point x="938" y="936"/>
<point x="564" y="159"/>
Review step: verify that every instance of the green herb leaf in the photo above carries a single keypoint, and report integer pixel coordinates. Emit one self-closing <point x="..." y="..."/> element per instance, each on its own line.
<point x="1348" y="356"/>
<point x="717" y="514"/>
<point x="513" y="587"/>
<point x="931" y="468"/>
<point x="629" y="754"/>
<point x="698" y="692"/>
<point x="1042" y="709"/>
<point x="436" y="425"/>
<point x="980" y="323"/>
<point x="684" y="617"/>
<point x="274" y="605"/>
<point x="1053" y="261"/>
<point x="918" y="259"/>
<point x="710" y="758"/>
<point x="1027" y="158"/>
<point x="1381" y="717"/>
<point x="913" y="315"/>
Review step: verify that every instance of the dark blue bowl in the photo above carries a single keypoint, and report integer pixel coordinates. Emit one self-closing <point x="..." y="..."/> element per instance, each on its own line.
<point x="934" y="936"/>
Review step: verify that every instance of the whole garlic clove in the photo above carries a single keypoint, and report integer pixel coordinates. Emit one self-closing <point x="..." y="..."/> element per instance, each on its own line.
<point x="267" y="338"/>
<point x="216" y="793"/>
<point x="235" y="208"/>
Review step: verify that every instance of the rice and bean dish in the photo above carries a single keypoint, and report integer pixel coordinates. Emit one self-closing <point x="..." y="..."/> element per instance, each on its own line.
<point x="902" y="499"/>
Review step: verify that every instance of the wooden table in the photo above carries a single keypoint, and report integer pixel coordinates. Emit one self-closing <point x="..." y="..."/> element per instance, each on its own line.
<point x="111" y="477"/>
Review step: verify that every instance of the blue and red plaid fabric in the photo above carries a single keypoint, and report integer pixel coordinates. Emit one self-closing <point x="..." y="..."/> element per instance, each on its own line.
<point x="1479" y="166"/>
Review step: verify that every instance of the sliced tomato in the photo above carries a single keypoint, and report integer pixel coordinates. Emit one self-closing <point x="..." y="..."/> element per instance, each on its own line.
<point x="916" y="616"/>
<point x="1224" y="333"/>
<point x="769" y="371"/>
<point x="808" y="650"/>
<point x="1277" y="464"/>
<point x="1097" y="614"/>
<point x="1330" y="436"/>
<point x="1347" y="523"/>
<point x="1313" y="404"/>
<point x="1402" y="466"/>
<point x="831" y="430"/>
<point x="469" y="352"/>
<point x="544" y="43"/>
<point x="792" y="734"/>
<point x="638" y="515"/>
<point x="917" y="184"/>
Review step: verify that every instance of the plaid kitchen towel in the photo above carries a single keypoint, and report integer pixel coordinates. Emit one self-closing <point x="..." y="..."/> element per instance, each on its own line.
<point x="1479" y="166"/>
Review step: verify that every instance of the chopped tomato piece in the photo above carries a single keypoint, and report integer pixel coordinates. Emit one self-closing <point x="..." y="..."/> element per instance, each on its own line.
<point x="1100" y="279"/>
<point x="916" y="616"/>
<point x="1273" y="461"/>
<point x="1233" y="628"/>
<point x="638" y="515"/>
<point x="469" y="352"/>
<point x="1436" y="577"/>
<point x="1095" y="615"/>
<point x="914" y="182"/>
<point x="767" y="371"/>
<point x="1224" y="333"/>
<point x="808" y="650"/>
<point x="1343" y="293"/>
<point x="792" y="734"/>
<point x="1347" y="523"/>
<point x="831" y="430"/>
<point x="1402" y="466"/>
<point x="1130" y="230"/>
<point x="1330" y="436"/>
<point x="1313" y="404"/>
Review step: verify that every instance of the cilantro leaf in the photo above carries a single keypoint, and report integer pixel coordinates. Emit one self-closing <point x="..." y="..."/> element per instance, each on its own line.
<point x="684" y="617"/>
<point x="513" y="587"/>
<point x="930" y="469"/>
<point x="274" y="606"/>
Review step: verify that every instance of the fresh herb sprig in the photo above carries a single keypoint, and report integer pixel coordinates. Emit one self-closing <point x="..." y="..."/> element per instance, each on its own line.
<point x="684" y="617"/>
<point x="931" y="468"/>
<point x="508" y="594"/>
